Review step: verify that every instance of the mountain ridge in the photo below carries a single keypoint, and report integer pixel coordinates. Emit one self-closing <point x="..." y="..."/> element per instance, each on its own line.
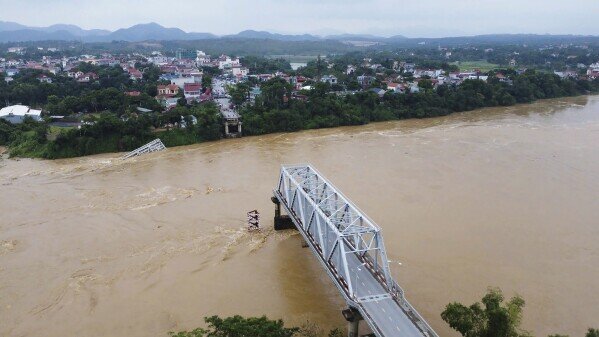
<point x="15" y="32"/>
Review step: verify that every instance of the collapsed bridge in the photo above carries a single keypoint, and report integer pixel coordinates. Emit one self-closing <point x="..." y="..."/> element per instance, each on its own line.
<point x="350" y="248"/>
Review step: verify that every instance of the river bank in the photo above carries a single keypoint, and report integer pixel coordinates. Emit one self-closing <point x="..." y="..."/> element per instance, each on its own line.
<point x="494" y="197"/>
<point x="28" y="147"/>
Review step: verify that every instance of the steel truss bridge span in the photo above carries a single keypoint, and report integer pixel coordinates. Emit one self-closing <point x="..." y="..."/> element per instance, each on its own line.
<point x="351" y="249"/>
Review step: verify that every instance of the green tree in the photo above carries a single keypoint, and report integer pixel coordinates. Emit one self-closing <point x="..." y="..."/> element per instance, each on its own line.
<point x="239" y="93"/>
<point x="491" y="319"/>
<point x="592" y="333"/>
<point x="199" y="332"/>
<point x="206" y="81"/>
<point x="238" y="326"/>
<point x="319" y="67"/>
<point x="275" y="93"/>
<point x="425" y="84"/>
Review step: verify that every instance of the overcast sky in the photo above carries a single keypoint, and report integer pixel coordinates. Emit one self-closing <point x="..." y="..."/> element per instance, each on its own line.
<point x="412" y="18"/>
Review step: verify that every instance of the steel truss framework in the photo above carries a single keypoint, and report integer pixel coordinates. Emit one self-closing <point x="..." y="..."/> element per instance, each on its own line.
<point x="153" y="146"/>
<point x="334" y="228"/>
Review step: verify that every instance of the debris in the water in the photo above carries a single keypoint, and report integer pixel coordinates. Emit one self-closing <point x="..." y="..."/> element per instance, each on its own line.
<point x="253" y="220"/>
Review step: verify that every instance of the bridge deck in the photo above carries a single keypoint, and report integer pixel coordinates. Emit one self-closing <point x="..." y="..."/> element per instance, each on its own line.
<point x="350" y="248"/>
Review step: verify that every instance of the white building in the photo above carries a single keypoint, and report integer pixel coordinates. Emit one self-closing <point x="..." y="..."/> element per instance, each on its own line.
<point x="17" y="50"/>
<point x="159" y="60"/>
<point x="432" y="73"/>
<point x="478" y="77"/>
<point x="202" y="58"/>
<point x="239" y="71"/>
<point x="226" y="62"/>
<point x="182" y="80"/>
<point x="330" y="79"/>
<point x="16" y="113"/>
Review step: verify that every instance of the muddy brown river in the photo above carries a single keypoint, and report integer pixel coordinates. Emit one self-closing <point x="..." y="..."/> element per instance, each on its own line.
<point x="505" y="197"/>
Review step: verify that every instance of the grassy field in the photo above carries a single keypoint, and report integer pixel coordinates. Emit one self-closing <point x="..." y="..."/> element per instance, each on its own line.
<point x="296" y="58"/>
<point x="481" y="65"/>
<point x="54" y="131"/>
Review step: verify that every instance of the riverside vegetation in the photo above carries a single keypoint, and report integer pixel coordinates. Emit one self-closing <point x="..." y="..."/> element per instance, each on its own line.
<point x="275" y="110"/>
<point x="492" y="318"/>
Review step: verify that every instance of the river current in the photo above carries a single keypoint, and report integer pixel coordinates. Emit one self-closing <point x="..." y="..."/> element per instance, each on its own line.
<point x="503" y="197"/>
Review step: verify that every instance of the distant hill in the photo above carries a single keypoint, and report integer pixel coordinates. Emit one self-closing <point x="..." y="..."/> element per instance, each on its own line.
<point x="154" y="31"/>
<point x="355" y="37"/>
<point x="9" y="26"/>
<point x="397" y="37"/>
<point x="494" y="39"/>
<point x="23" y="35"/>
<point x="15" y="32"/>
<point x="75" y="30"/>
<point x="253" y="34"/>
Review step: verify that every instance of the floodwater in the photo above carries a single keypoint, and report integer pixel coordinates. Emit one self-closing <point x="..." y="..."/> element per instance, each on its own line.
<point x="505" y="197"/>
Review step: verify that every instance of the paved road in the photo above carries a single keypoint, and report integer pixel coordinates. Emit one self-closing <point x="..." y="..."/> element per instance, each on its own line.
<point x="386" y="313"/>
<point x="218" y="90"/>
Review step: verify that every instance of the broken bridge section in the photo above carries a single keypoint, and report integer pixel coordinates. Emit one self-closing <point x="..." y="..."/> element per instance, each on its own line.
<point x="153" y="146"/>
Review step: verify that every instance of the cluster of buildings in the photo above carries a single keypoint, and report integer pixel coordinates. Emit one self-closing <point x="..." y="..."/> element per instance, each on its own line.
<point x="185" y="75"/>
<point x="183" y="60"/>
<point x="593" y="71"/>
<point x="65" y="66"/>
<point x="224" y="62"/>
<point x="437" y="77"/>
<point x="182" y="74"/>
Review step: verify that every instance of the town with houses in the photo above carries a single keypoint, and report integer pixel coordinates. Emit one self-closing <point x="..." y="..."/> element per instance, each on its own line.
<point x="181" y="76"/>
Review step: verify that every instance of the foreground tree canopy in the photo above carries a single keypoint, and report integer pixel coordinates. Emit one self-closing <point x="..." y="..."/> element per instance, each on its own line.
<point x="492" y="318"/>
<point x="237" y="326"/>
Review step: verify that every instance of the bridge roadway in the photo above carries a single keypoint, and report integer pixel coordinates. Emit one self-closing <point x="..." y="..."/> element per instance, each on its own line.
<point x="385" y="313"/>
<point x="350" y="248"/>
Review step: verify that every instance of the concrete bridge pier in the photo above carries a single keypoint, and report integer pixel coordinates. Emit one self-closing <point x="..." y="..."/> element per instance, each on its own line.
<point x="281" y="221"/>
<point x="353" y="318"/>
<point x="232" y="126"/>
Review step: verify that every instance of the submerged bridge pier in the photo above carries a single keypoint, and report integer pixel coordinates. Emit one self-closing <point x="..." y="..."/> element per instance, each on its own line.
<point x="353" y="318"/>
<point x="350" y="247"/>
<point x="281" y="221"/>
